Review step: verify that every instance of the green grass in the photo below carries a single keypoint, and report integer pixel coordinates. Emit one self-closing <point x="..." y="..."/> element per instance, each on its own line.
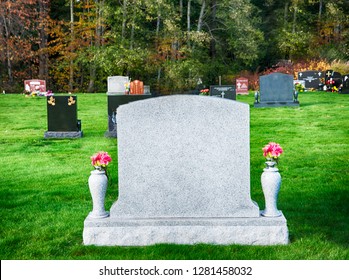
<point x="45" y="197"/>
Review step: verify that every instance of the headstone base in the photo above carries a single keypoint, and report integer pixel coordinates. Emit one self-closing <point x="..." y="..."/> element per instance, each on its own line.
<point x="275" y="104"/>
<point x="223" y="231"/>
<point x="62" y="134"/>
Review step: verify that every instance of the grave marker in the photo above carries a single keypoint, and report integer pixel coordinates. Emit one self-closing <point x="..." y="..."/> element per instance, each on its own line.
<point x="276" y="90"/>
<point x="345" y="88"/>
<point x="241" y="86"/>
<point x="184" y="177"/>
<point x="312" y="78"/>
<point x="35" y="85"/>
<point x="117" y="84"/>
<point x="62" y="119"/>
<point x="136" y="87"/>
<point x="226" y="91"/>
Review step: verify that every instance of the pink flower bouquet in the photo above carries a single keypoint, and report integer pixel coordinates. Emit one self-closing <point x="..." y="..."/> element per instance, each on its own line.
<point x="272" y="151"/>
<point x="100" y="160"/>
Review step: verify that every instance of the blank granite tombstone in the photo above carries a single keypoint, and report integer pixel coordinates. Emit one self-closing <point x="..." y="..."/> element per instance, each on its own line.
<point x="62" y="119"/>
<point x="184" y="177"/>
<point x="276" y="90"/>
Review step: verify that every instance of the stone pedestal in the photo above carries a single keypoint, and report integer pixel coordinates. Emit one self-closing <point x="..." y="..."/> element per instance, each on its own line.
<point x="222" y="231"/>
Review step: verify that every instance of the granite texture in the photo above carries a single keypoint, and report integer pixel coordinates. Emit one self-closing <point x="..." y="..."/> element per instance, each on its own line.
<point x="184" y="156"/>
<point x="63" y="134"/>
<point x="276" y="90"/>
<point x="222" y="231"/>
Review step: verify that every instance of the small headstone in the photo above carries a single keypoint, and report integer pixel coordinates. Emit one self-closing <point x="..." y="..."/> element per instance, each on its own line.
<point x="241" y="85"/>
<point x="312" y="78"/>
<point x="184" y="177"/>
<point x="117" y="85"/>
<point x="226" y="91"/>
<point x="333" y="79"/>
<point x="62" y="117"/>
<point x="136" y="87"/>
<point x="114" y="101"/>
<point x="345" y="86"/>
<point x="147" y="89"/>
<point x="276" y="90"/>
<point x="35" y="85"/>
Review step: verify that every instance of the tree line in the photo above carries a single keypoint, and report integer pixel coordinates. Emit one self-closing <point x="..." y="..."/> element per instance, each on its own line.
<point x="171" y="45"/>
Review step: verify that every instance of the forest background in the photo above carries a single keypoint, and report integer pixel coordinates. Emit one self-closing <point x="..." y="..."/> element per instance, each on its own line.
<point x="171" y="45"/>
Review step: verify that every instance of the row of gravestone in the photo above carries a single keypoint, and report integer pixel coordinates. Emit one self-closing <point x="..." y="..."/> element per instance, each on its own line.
<point x="276" y="90"/>
<point x="325" y="80"/>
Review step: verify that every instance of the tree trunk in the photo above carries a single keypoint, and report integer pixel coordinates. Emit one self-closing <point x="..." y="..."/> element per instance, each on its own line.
<point x="294" y="18"/>
<point x="180" y="9"/>
<point x="203" y="6"/>
<point x="8" y="53"/>
<point x="124" y="17"/>
<point x="71" y="69"/>
<point x="212" y="27"/>
<point x="188" y="22"/>
<point x="285" y="14"/>
<point x="43" y="57"/>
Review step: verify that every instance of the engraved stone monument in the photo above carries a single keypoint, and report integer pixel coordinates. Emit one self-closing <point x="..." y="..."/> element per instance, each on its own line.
<point x="117" y="84"/>
<point x="311" y="78"/>
<point x="226" y="91"/>
<point x="35" y="85"/>
<point x="241" y="85"/>
<point x="62" y="119"/>
<point x="184" y="177"/>
<point x="276" y="90"/>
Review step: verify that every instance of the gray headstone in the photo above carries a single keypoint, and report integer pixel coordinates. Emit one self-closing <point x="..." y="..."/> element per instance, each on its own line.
<point x="276" y="90"/>
<point x="184" y="177"/>
<point x="116" y="84"/>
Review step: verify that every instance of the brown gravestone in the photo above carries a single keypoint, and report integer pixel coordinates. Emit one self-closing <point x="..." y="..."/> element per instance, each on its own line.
<point x="137" y="87"/>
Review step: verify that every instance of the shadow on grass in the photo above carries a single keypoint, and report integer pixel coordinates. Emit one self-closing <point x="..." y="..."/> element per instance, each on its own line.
<point x="325" y="214"/>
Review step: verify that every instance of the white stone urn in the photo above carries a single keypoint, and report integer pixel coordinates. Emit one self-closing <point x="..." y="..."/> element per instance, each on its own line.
<point x="98" y="183"/>
<point x="271" y="183"/>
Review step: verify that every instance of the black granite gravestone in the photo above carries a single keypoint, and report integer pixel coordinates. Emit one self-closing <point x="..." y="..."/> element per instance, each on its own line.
<point x="226" y="91"/>
<point x="333" y="79"/>
<point x="62" y="117"/>
<point x="345" y="87"/>
<point x="114" y="101"/>
<point x="276" y="90"/>
<point x="311" y="78"/>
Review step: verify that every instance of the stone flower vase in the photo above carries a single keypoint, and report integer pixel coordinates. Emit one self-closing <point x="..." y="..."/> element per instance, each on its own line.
<point x="98" y="183"/>
<point x="271" y="183"/>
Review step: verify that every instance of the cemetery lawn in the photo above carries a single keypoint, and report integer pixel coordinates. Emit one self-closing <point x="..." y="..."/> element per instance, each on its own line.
<point x="45" y="198"/>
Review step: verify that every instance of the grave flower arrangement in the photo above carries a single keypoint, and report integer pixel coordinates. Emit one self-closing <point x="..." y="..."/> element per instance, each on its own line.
<point x="127" y="87"/>
<point x="100" y="160"/>
<point x="205" y="91"/>
<point x="299" y="87"/>
<point x="272" y="151"/>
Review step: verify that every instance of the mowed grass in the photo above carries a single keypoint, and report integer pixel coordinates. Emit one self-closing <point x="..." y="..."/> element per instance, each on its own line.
<point x="44" y="196"/>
